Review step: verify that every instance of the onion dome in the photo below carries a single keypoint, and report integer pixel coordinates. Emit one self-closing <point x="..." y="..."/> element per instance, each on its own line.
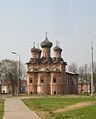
<point x="33" y="49"/>
<point x="39" y="51"/>
<point x="57" y="48"/>
<point x="46" y="43"/>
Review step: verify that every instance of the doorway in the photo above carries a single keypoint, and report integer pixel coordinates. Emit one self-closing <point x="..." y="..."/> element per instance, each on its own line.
<point x="31" y="92"/>
<point x="54" y="92"/>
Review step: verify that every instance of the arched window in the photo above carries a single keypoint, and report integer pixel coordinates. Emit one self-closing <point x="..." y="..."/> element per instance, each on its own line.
<point x="42" y="79"/>
<point x="54" y="80"/>
<point x="30" y="80"/>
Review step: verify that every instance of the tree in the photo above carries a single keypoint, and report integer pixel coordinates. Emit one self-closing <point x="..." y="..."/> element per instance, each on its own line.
<point x="10" y="71"/>
<point x="23" y="74"/>
<point x="73" y="67"/>
<point x="83" y="75"/>
<point x="81" y="71"/>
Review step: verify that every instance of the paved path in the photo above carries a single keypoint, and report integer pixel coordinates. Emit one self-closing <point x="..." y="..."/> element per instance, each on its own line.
<point x="16" y="109"/>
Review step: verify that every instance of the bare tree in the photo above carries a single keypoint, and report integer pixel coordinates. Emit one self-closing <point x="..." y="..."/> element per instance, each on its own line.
<point x="73" y="67"/>
<point x="83" y="75"/>
<point x="94" y="67"/>
<point x="9" y="69"/>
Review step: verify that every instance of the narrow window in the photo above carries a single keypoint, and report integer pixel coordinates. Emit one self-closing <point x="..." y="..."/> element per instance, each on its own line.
<point x="42" y="81"/>
<point x="30" y="80"/>
<point x="54" y="80"/>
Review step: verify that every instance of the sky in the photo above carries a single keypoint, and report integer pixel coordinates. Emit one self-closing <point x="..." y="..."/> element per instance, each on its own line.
<point x="23" y="22"/>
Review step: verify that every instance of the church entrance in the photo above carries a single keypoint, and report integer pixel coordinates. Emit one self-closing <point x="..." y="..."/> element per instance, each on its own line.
<point x="54" y="92"/>
<point x="31" y="92"/>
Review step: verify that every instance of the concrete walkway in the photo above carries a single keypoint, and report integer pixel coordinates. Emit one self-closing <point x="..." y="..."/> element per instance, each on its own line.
<point x="16" y="109"/>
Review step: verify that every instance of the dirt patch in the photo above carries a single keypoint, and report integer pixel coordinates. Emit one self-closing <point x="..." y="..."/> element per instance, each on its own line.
<point x="41" y="114"/>
<point x="76" y="106"/>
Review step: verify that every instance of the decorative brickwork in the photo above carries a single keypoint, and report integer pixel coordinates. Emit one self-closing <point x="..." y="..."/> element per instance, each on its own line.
<point x="47" y="75"/>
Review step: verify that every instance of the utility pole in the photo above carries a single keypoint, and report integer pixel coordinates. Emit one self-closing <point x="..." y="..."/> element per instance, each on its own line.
<point x="91" y="69"/>
<point x="91" y="65"/>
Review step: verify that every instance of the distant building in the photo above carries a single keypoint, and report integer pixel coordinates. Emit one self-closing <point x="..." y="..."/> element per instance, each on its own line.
<point x="72" y="82"/>
<point x="84" y="86"/>
<point x="84" y="83"/>
<point x="6" y="88"/>
<point x="47" y="75"/>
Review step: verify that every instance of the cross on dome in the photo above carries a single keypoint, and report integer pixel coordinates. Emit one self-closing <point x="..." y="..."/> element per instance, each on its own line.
<point x="57" y="43"/>
<point x="33" y="44"/>
<point x="46" y="34"/>
<point x="38" y="45"/>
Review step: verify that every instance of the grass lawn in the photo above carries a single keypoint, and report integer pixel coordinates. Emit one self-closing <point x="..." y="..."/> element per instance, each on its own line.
<point x="83" y="113"/>
<point x="1" y="108"/>
<point x="44" y="107"/>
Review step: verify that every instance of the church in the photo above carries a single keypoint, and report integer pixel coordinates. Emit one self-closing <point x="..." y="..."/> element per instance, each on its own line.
<point x="47" y="75"/>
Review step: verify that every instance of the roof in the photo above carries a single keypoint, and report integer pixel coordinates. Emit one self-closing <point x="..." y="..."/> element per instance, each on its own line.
<point x="39" y="51"/>
<point x="36" y="50"/>
<point x="33" y="49"/>
<point x="73" y="73"/>
<point x="46" y="43"/>
<point x="57" y="48"/>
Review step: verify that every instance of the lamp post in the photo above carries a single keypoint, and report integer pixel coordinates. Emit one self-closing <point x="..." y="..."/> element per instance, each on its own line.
<point x="19" y="72"/>
<point x="91" y="70"/>
<point x="91" y="66"/>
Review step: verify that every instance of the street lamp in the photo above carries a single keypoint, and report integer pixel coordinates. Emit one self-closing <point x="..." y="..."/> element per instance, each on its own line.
<point x="19" y="72"/>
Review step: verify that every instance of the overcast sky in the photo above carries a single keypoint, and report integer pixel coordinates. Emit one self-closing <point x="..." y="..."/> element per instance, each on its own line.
<point x="24" y="21"/>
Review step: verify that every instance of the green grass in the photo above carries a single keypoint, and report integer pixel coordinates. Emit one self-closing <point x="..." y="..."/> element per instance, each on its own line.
<point x="44" y="107"/>
<point x="1" y="108"/>
<point x="82" y="113"/>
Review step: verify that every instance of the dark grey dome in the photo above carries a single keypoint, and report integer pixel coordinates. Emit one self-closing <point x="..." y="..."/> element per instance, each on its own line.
<point x="33" y="49"/>
<point x="46" y="43"/>
<point x="39" y="51"/>
<point x="57" y="48"/>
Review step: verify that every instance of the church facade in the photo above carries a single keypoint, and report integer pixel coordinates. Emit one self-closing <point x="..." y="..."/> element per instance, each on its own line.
<point x="47" y="75"/>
